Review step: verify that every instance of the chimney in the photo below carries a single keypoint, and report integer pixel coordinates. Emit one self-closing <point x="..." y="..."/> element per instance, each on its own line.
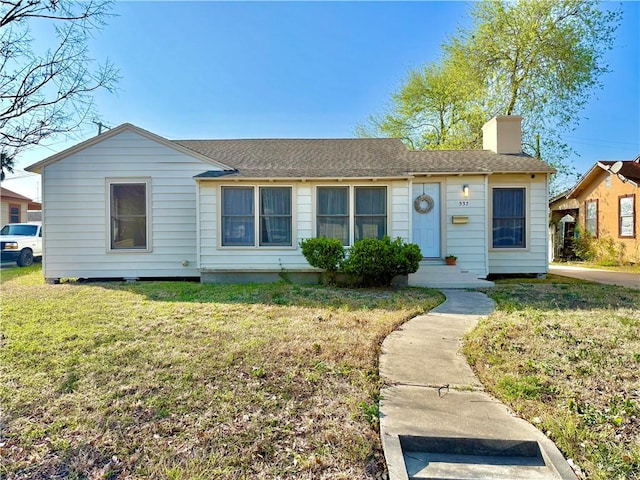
<point x="503" y="134"/>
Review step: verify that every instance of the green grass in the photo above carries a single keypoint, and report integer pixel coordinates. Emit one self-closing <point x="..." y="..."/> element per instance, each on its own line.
<point x="176" y="380"/>
<point x="565" y="355"/>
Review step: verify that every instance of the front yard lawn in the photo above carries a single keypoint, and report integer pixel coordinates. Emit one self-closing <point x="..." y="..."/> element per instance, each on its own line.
<point x="565" y="355"/>
<point x="180" y="380"/>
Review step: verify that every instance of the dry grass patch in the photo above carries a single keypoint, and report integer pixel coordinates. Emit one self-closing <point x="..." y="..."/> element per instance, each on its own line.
<point x="181" y="380"/>
<point x="566" y="356"/>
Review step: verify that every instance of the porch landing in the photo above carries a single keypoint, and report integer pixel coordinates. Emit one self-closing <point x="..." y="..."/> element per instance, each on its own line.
<point x="436" y="274"/>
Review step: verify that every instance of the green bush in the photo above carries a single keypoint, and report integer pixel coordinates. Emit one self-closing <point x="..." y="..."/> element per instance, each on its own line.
<point x="375" y="262"/>
<point x="324" y="253"/>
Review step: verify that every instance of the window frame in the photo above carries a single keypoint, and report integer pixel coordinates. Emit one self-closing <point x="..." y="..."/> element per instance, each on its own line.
<point x="526" y="220"/>
<point x="19" y="207"/>
<point x="257" y="217"/>
<point x="632" y="196"/>
<point x="146" y="181"/>
<point x="595" y="202"/>
<point x="351" y="205"/>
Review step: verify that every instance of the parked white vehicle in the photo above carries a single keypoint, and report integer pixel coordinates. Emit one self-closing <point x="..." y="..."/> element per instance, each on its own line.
<point x="21" y="243"/>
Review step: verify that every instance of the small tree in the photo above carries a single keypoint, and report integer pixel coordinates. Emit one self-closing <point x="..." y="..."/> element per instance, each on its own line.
<point x="46" y="93"/>
<point x="376" y="262"/>
<point x="324" y="253"/>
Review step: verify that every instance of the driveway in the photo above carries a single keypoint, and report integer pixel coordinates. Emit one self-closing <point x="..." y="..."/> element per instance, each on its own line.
<point x="625" y="279"/>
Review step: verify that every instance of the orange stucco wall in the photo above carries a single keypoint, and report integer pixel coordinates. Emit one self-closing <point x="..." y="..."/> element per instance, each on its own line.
<point x="608" y="211"/>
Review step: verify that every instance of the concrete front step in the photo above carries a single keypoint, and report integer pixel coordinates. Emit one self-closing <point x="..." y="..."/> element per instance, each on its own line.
<point x="438" y="275"/>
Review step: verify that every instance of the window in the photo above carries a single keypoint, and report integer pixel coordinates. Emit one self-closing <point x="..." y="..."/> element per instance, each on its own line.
<point x="14" y="213"/>
<point x="333" y="213"/>
<point x="275" y="216"/>
<point x="591" y="217"/>
<point x="334" y="217"/>
<point x="239" y="217"/>
<point x="371" y="212"/>
<point x="129" y="216"/>
<point x="626" y="213"/>
<point x="509" y="218"/>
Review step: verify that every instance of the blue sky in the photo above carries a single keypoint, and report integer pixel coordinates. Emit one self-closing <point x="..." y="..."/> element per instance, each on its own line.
<point x="305" y="70"/>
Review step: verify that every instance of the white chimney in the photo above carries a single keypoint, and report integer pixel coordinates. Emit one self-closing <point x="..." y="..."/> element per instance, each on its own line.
<point x="503" y="134"/>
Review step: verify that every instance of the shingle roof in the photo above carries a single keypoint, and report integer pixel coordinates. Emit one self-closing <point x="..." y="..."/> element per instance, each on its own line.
<point x="370" y="157"/>
<point x="630" y="169"/>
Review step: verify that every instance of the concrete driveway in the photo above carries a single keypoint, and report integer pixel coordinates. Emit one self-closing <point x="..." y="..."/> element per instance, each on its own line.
<point x="624" y="279"/>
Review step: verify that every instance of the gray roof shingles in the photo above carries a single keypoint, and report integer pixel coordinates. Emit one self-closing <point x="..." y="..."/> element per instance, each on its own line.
<point x="351" y="158"/>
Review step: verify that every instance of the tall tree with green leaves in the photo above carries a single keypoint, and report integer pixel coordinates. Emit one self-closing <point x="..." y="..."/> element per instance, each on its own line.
<point x="48" y="91"/>
<point x="541" y="59"/>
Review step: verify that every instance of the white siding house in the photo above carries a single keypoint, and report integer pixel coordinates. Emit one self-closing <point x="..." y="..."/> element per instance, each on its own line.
<point x="131" y="204"/>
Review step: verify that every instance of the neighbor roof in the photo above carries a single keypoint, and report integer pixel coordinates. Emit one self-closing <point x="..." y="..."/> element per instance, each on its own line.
<point x="362" y="157"/>
<point x="629" y="172"/>
<point x="6" y="193"/>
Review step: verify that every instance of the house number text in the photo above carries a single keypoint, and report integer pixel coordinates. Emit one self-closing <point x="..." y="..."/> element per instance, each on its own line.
<point x="463" y="203"/>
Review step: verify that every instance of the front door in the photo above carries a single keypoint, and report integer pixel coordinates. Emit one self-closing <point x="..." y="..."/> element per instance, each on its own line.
<point x="425" y="204"/>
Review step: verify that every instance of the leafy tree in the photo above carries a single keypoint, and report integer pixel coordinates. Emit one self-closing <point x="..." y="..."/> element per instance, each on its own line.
<point x="538" y="58"/>
<point x="46" y="93"/>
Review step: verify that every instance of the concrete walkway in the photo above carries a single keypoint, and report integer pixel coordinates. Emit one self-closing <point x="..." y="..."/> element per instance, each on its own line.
<point x="435" y="419"/>
<point x="608" y="277"/>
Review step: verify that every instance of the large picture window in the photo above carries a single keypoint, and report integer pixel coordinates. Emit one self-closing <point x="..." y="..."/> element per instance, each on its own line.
<point x="129" y="222"/>
<point x="591" y="217"/>
<point x="334" y="216"/>
<point x="627" y="216"/>
<point x="509" y="218"/>
<point x="240" y="216"/>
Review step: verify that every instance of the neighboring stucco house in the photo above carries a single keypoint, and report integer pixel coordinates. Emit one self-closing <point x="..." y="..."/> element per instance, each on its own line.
<point x="129" y="203"/>
<point x="607" y="201"/>
<point x="563" y="220"/>
<point x="14" y="207"/>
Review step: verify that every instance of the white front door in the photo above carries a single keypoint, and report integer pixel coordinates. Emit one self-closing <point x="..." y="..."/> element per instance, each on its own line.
<point x="425" y="204"/>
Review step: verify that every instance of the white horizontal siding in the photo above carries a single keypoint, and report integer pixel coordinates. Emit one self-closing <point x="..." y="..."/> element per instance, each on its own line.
<point x="467" y="241"/>
<point x="399" y="211"/>
<point x="75" y="210"/>
<point x="532" y="259"/>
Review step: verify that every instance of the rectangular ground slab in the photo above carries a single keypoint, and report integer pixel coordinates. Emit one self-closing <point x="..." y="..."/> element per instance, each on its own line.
<point x="473" y="458"/>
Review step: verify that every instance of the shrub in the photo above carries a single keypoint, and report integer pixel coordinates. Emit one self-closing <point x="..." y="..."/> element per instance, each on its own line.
<point x="324" y="253"/>
<point x="376" y="262"/>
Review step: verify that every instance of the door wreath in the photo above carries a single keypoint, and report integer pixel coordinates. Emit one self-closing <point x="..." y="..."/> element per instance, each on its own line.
<point x="423" y="203"/>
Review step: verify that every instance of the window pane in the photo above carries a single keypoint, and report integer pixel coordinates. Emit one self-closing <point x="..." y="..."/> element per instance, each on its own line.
<point x="626" y="206"/>
<point x="334" y="227"/>
<point x="237" y="201"/>
<point x="371" y="201"/>
<point x="237" y="231"/>
<point x="591" y="217"/>
<point x="14" y="214"/>
<point x="370" y="227"/>
<point x="333" y="201"/>
<point x="275" y="213"/>
<point x="129" y="216"/>
<point x="626" y="227"/>
<point x="237" y="216"/>
<point x="509" y="221"/>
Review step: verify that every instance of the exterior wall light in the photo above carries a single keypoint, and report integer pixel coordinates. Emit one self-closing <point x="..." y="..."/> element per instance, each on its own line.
<point x="465" y="190"/>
